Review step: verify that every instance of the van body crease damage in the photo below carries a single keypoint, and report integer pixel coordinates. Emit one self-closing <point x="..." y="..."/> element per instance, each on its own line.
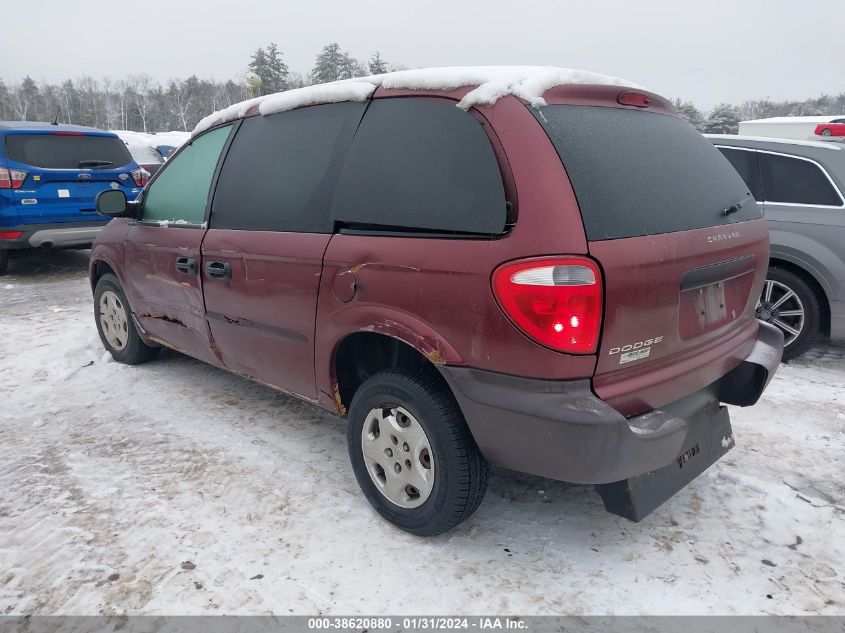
<point x="163" y="317"/>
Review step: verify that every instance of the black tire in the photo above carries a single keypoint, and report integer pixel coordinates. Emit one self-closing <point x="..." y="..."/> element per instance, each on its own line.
<point x="4" y="260"/>
<point x="827" y="132"/>
<point x="135" y="350"/>
<point x="812" y="323"/>
<point x="460" y="478"/>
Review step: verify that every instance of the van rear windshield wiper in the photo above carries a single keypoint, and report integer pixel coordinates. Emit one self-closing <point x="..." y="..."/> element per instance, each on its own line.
<point x="95" y="163"/>
<point x="734" y="207"/>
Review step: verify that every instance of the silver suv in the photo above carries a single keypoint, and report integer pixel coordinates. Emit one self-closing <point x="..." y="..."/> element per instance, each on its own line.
<point x="799" y="184"/>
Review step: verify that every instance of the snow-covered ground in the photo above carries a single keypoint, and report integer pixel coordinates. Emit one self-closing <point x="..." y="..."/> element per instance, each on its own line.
<point x="174" y="487"/>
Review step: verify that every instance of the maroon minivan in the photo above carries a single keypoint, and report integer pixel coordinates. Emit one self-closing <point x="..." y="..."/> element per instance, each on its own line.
<point x="562" y="285"/>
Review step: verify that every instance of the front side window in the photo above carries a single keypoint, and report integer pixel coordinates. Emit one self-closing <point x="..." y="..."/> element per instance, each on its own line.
<point x="280" y="169"/>
<point x="179" y="194"/>
<point x="795" y="181"/>
<point x="421" y="164"/>
<point x="745" y="163"/>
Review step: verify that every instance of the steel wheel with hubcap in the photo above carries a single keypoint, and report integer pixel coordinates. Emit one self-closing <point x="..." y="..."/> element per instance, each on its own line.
<point x="789" y="303"/>
<point x="113" y="320"/>
<point x="115" y="325"/>
<point x="398" y="456"/>
<point x="412" y="453"/>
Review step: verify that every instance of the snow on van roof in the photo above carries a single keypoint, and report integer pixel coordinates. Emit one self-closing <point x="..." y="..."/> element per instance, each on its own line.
<point x="492" y="83"/>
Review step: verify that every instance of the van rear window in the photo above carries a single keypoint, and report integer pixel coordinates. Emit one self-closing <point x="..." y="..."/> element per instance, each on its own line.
<point x="640" y="173"/>
<point x="53" y="151"/>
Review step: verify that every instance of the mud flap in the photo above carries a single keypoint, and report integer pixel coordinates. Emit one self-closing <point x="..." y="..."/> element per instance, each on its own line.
<point x="709" y="437"/>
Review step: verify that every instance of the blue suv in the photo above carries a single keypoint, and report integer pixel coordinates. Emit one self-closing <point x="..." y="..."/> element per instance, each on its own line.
<point x="49" y="177"/>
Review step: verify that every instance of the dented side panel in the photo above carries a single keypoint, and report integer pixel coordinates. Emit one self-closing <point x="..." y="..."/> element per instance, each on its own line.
<point x="167" y="303"/>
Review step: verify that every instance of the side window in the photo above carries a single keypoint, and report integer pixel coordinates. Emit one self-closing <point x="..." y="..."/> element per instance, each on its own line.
<point x="280" y="170"/>
<point x="792" y="180"/>
<point x="179" y="194"/>
<point x="745" y="163"/>
<point x="421" y="163"/>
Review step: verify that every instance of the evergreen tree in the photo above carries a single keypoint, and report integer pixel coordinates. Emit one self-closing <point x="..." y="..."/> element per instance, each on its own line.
<point x="277" y="71"/>
<point x="332" y="64"/>
<point x="258" y="65"/>
<point x="377" y="65"/>
<point x="723" y="120"/>
<point x="689" y="113"/>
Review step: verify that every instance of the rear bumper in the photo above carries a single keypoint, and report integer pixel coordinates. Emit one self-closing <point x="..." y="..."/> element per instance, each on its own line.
<point x="59" y="235"/>
<point x="562" y="430"/>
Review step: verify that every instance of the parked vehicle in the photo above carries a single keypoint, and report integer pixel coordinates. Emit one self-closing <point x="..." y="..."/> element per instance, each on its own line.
<point x="434" y="275"/>
<point x="147" y="157"/>
<point x="800" y="186"/>
<point x="836" y="127"/>
<point x="49" y="177"/>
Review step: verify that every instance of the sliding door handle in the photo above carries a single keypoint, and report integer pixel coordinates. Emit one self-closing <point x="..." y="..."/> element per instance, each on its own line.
<point x="218" y="270"/>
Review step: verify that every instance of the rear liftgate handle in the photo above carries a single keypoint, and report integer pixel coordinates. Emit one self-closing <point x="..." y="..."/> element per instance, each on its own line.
<point x="187" y="265"/>
<point x="218" y="270"/>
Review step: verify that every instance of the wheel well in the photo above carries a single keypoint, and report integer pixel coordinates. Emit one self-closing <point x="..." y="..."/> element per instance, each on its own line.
<point x="364" y="354"/>
<point x="824" y="306"/>
<point x="99" y="269"/>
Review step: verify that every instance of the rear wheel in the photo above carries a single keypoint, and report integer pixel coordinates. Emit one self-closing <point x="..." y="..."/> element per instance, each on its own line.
<point x="412" y="453"/>
<point x="827" y="132"/>
<point x="789" y="303"/>
<point x="4" y="260"/>
<point x="115" y="325"/>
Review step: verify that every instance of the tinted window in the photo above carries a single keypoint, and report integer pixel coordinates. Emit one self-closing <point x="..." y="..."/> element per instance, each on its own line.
<point x="420" y="163"/>
<point x="280" y="170"/>
<point x="52" y="151"/>
<point x="641" y="173"/>
<point x="787" y="179"/>
<point x="180" y="191"/>
<point x="745" y="163"/>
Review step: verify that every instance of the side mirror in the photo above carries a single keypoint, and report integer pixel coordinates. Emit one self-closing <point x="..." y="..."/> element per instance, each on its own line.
<point x="112" y="202"/>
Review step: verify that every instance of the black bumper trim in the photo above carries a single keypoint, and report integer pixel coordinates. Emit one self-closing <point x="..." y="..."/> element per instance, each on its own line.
<point x="562" y="430"/>
<point x="746" y="383"/>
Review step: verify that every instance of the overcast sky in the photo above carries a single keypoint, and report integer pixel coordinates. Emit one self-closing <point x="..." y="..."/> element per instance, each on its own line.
<point x="708" y="52"/>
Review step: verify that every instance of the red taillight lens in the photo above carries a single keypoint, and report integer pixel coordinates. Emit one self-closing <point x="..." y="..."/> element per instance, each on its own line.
<point x="557" y="302"/>
<point x="9" y="235"/>
<point x="11" y="178"/>
<point x="141" y="176"/>
<point x="632" y="98"/>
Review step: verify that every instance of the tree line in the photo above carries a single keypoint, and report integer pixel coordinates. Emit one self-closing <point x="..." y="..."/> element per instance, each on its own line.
<point x="138" y="103"/>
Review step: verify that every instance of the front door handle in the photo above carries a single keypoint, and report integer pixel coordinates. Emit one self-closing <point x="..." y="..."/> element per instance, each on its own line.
<point x="218" y="270"/>
<point x="187" y="265"/>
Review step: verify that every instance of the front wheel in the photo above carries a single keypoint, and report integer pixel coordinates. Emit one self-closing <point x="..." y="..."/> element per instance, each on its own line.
<point x="115" y="326"/>
<point x="412" y="453"/>
<point x="827" y="132"/>
<point x="789" y="303"/>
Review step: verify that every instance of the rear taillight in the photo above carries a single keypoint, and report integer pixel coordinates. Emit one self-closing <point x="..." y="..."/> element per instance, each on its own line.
<point x="11" y="178"/>
<point x="141" y="176"/>
<point x="555" y="301"/>
<point x="10" y="235"/>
